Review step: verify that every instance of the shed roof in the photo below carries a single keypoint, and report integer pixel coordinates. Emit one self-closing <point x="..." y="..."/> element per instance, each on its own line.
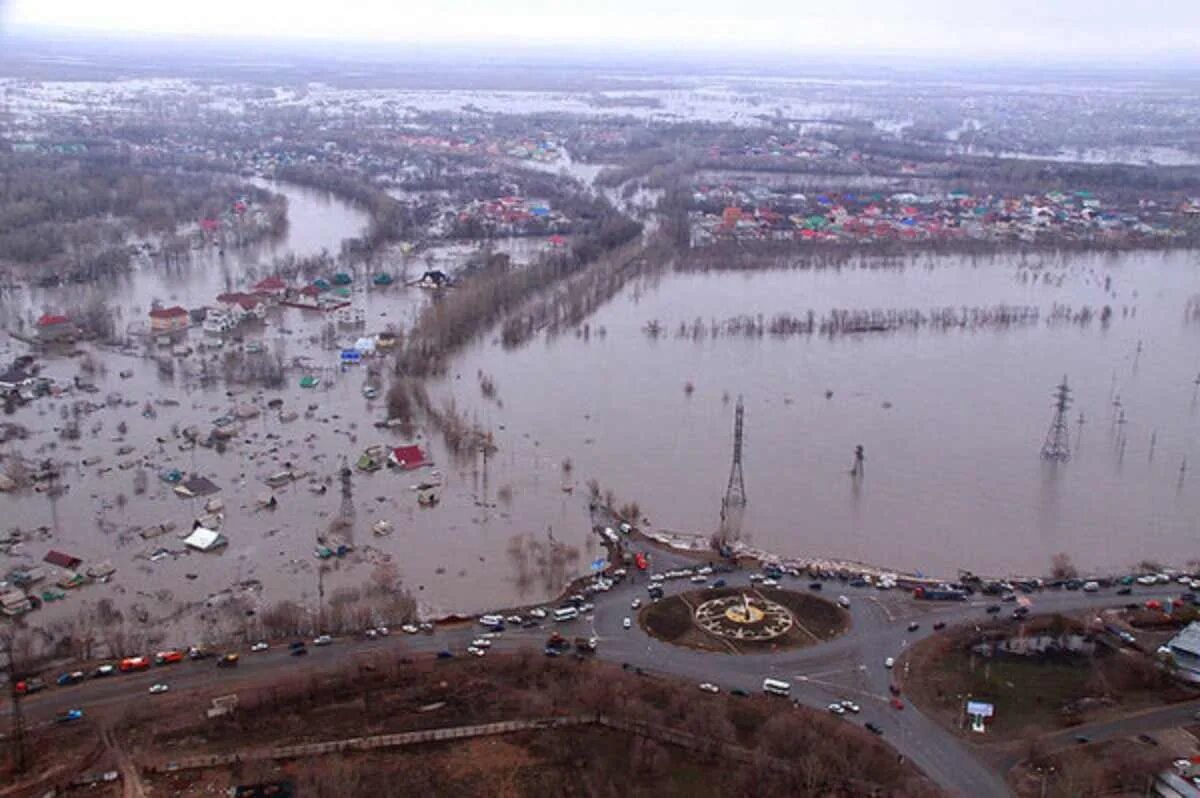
<point x="1188" y="640"/>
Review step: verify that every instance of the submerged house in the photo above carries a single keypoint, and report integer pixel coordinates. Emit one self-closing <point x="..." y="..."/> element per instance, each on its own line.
<point x="52" y="328"/>
<point x="168" y="320"/>
<point x="408" y="457"/>
<point x="203" y="539"/>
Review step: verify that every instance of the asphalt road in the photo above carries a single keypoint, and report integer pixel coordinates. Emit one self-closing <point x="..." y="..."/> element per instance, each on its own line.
<point x="850" y="666"/>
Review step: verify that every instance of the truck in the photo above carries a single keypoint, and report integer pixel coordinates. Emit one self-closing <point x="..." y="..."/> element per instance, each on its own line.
<point x="939" y="594"/>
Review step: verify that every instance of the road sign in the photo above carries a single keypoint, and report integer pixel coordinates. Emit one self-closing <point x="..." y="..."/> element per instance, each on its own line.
<point x="979" y="711"/>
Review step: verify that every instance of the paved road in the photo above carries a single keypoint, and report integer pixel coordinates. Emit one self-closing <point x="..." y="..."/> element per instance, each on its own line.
<point x="850" y="666"/>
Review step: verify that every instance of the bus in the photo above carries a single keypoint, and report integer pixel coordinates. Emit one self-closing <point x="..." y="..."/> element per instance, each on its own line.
<point x="776" y="687"/>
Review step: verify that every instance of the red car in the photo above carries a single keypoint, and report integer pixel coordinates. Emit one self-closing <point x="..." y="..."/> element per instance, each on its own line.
<point x="640" y="560"/>
<point x="134" y="664"/>
<point x="168" y="657"/>
<point x="897" y="703"/>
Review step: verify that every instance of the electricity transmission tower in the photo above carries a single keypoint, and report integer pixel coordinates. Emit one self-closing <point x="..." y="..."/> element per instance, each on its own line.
<point x="1058" y="439"/>
<point x="735" y="491"/>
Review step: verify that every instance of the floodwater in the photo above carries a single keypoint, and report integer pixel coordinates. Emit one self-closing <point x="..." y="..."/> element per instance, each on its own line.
<point x="953" y="476"/>
<point x="952" y="422"/>
<point x="451" y="557"/>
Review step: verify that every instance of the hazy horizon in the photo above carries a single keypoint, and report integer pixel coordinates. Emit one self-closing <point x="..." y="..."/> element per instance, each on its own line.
<point x="1022" y="32"/>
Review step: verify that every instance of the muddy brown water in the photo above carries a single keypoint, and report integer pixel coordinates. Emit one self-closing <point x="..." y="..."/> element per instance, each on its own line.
<point x="952" y="422"/>
<point x="953" y="478"/>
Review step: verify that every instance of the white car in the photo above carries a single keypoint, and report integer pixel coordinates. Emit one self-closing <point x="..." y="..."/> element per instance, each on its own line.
<point x="383" y="631"/>
<point x="409" y="629"/>
<point x="699" y="580"/>
<point x="657" y="577"/>
<point x="537" y="612"/>
<point x="158" y="689"/>
<point x="837" y="709"/>
<point x="850" y="706"/>
<point x="705" y="571"/>
<point x="481" y="643"/>
<point x="490" y="620"/>
<point x="322" y="640"/>
<point x="260" y="646"/>
<point x="627" y="623"/>
<point x="769" y="583"/>
<point x="633" y="605"/>
<point x="515" y="620"/>
<point x="477" y="652"/>
<point x="1146" y="580"/>
<point x="889" y="663"/>
<point x="709" y="687"/>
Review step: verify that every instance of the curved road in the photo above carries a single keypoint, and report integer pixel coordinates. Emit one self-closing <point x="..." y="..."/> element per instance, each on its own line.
<point x="850" y="666"/>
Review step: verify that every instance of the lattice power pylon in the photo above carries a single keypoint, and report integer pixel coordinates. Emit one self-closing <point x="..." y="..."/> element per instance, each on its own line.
<point x="1058" y="437"/>
<point x="735" y="491"/>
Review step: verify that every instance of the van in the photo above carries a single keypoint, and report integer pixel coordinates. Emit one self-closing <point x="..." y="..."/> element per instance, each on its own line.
<point x="776" y="687"/>
<point x="490" y="620"/>
<point x="566" y="614"/>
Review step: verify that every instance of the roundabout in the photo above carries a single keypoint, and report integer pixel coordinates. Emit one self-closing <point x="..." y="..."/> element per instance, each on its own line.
<point x="744" y="620"/>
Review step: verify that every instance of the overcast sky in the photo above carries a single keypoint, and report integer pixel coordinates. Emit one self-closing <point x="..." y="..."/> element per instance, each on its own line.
<point x="1050" y="29"/>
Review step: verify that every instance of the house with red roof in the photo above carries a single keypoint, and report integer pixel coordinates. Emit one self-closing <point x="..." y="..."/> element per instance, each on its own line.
<point x="272" y="286"/>
<point x="168" y="320"/>
<point x="53" y="328"/>
<point x="243" y="306"/>
<point x="408" y="457"/>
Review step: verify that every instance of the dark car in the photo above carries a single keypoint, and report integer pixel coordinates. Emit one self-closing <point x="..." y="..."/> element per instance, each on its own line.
<point x="1147" y="739"/>
<point x="719" y="583"/>
<point x="871" y="727"/>
<point x="299" y="652"/>
<point x="74" y="677"/>
<point x="815" y="586"/>
<point x="445" y="655"/>
<point x="1082" y="739"/>
<point x="551" y="652"/>
<point x="295" y="644"/>
<point x="993" y="609"/>
<point x="1125" y="591"/>
<point x="858" y="582"/>
<point x="739" y="692"/>
<point x="914" y="626"/>
<point x="893" y="689"/>
<point x="940" y="625"/>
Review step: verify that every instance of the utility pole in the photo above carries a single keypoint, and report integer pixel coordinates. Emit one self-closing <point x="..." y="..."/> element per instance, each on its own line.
<point x="1057" y="445"/>
<point x="859" y="469"/>
<point x="735" y="491"/>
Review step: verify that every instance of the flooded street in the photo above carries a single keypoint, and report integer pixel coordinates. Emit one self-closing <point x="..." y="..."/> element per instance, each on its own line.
<point x="952" y="422"/>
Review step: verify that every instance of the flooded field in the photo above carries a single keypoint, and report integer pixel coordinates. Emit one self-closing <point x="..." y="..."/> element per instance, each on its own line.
<point x="951" y="421"/>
